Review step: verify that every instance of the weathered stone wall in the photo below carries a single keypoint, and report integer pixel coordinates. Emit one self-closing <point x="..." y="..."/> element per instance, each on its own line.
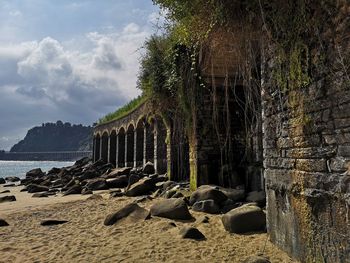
<point x="307" y="166"/>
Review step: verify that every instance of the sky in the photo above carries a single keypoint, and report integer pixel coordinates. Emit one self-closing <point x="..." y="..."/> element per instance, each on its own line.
<point x="68" y="60"/>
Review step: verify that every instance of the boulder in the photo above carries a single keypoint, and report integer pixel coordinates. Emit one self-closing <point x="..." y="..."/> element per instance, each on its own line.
<point x="52" y="222"/>
<point x="177" y="195"/>
<point x="89" y="174"/>
<point x="54" y="170"/>
<point x="258" y="197"/>
<point x="74" y="190"/>
<point x="97" y="184"/>
<point x="229" y="205"/>
<point x="133" y="211"/>
<point x="148" y="168"/>
<point x="12" y="179"/>
<point x="40" y="195"/>
<point x="3" y="223"/>
<point x="172" y="209"/>
<point x="246" y="218"/>
<point x="34" y="188"/>
<point x="5" y="192"/>
<point x="256" y="259"/>
<point x="191" y="233"/>
<point x="142" y="187"/>
<point x="114" y="173"/>
<point x="35" y="173"/>
<point x="207" y="193"/>
<point x="2" y="180"/>
<point x="119" y="182"/>
<point x="206" y="206"/>
<point x="7" y="198"/>
<point x="86" y="191"/>
<point x="133" y="178"/>
<point x="82" y="161"/>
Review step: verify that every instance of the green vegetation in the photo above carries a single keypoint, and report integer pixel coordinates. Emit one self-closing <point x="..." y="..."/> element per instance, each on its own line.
<point x="123" y="111"/>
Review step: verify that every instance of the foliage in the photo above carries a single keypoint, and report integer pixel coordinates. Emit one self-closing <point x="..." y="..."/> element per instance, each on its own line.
<point x="123" y="111"/>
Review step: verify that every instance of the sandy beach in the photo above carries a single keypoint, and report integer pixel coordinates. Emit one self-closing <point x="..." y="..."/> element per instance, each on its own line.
<point x="84" y="238"/>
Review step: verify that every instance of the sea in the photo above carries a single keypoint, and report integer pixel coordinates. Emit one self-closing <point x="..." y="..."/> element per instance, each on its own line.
<point x="19" y="168"/>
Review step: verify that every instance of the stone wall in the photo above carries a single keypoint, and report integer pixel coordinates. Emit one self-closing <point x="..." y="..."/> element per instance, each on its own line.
<point x="307" y="166"/>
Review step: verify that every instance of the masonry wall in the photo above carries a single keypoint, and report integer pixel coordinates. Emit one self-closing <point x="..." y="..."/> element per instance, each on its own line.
<point x="307" y="167"/>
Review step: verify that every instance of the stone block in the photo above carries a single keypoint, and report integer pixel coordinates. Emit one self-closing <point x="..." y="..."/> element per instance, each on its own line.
<point x="311" y="165"/>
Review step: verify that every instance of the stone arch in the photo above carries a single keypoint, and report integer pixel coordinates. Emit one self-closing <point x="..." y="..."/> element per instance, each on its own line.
<point x="130" y="145"/>
<point x="97" y="145"/>
<point x="121" y="147"/>
<point x="113" y="147"/>
<point x="140" y="142"/>
<point x="104" y="147"/>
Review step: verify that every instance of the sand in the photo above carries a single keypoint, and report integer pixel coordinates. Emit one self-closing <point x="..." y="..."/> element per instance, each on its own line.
<point x="85" y="239"/>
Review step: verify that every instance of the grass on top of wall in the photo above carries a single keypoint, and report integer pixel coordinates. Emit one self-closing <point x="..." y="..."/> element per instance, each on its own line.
<point x="123" y="111"/>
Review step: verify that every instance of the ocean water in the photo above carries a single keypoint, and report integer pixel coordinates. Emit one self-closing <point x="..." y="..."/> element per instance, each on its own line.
<point x="19" y="168"/>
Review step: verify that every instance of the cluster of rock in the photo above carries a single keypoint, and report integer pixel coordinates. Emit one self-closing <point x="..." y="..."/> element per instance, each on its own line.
<point x="241" y="212"/>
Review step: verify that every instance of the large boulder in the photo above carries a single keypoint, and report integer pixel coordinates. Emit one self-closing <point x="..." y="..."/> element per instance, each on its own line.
<point x="89" y="174"/>
<point x="191" y="233"/>
<point x="2" y="180"/>
<point x="246" y="218"/>
<point x="54" y="170"/>
<point x="172" y="209"/>
<point x="133" y="211"/>
<point x="206" y="206"/>
<point x="206" y="193"/>
<point x="144" y="186"/>
<point x="12" y="179"/>
<point x="97" y="184"/>
<point x="258" y="197"/>
<point x="7" y="198"/>
<point x="119" y="182"/>
<point x="74" y="190"/>
<point x="34" y="188"/>
<point x="133" y="178"/>
<point x="233" y="194"/>
<point x="35" y="173"/>
<point x="148" y="168"/>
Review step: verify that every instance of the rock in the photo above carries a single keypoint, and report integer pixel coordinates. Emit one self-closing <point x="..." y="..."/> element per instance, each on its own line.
<point x="172" y="209"/>
<point x="74" y="190"/>
<point x="165" y="185"/>
<point x="12" y="179"/>
<point x="191" y="233"/>
<point x="34" y="188"/>
<point x="203" y="219"/>
<point x="133" y="178"/>
<point x="97" y="184"/>
<point x="95" y="197"/>
<point x="233" y="194"/>
<point x="35" y="173"/>
<point x="177" y="195"/>
<point x="9" y="185"/>
<point x="246" y="218"/>
<point x="116" y="194"/>
<point x="7" y="198"/>
<point x="148" y="168"/>
<point x="206" y="206"/>
<point x="86" y="191"/>
<point x="133" y="211"/>
<point x="82" y="161"/>
<point x="207" y="193"/>
<point x="169" y="193"/>
<point x="142" y="187"/>
<point x="90" y="174"/>
<point x="143" y="199"/>
<point x="5" y="192"/>
<point x="71" y="183"/>
<point x="256" y="259"/>
<point x="54" y="170"/>
<point x="52" y="222"/>
<point x="258" y="197"/>
<point x="119" y="182"/>
<point x="3" y="223"/>
<point x="114" y="173"/>
<point x="229" y="205"/>
<point x="2" y="180"/>
<point x="39" y="195"/>
<point x="24" y="189"/>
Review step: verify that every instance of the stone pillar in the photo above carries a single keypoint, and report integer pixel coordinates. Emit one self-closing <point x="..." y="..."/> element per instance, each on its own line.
<point x="117" y="151"/>
<point x="126" y="150"/>
<point x="144" y="145"/>
<point x="168" y="152"/>
<point x="155" y="146"/>
<point x="109" y="149"/>
<point x="100" y="157"/>
<point x="93" y="149"/>
<point x="135" y="146"/>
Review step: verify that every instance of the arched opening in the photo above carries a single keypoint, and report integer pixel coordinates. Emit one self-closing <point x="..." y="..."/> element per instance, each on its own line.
<point x="97" y="147"/>
<point x="130" y="141"/>
<point x="161" y="147"/>
<point x="104" y="153"/>
<point x="112" y="148"/>
<point x="140" y="135"/>
<point x="149" y="142"/>
<point x="121" y="148"/>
